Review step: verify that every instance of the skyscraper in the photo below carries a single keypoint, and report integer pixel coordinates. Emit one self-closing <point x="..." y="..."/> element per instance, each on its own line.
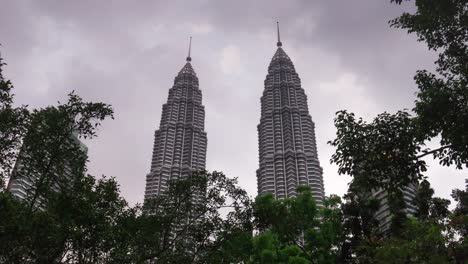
<point x="180" y="142"/>
<point x="287" y="148"/>
<point x="383" y="214"/>
<point x="24" y="181"/>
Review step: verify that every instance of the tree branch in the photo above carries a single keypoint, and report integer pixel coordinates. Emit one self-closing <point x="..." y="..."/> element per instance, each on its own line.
<point x="433" y="151"/>
<point x="299" y="245"/>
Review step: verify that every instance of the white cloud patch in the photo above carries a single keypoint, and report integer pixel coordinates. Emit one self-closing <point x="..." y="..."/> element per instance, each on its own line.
<point x="203" y="28"/>
<point x="231" y="59"/>
<point x="348" y="93"/>
<point x="148" y="35"/>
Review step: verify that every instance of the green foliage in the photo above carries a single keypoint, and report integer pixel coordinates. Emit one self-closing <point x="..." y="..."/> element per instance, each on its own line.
<point x="268" y="249"/>
<point x="386" y="153"/>
<point x="442" y="107"/>
<point x="287" y="218"/>
<point x="359" y="225"/>
<point x="185" y="224"/>
<point x="70" y="217"/>
<point x="51" y="148"/>
<point x="323" y="243"/>
<point x="265" y="247"/>
<point x="383" y="153"/>
<point x="67" y="216"/>
<point x="234" y="247"/>
<point x="419" y="242"/>
<point x="91" y="214"/>
<point x="458" y="225"/>
<point x="79" y="226"/>
<point x="295" y="230"/>
<point x="13" y="123"/>
<point x="423" y="199"/>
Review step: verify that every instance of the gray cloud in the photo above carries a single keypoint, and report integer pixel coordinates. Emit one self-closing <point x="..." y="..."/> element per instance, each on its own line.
<point x="127" y="54"/>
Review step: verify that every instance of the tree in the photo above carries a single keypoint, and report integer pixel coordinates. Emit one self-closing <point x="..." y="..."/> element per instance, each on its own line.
<point x="70" y="217"/>
<point x="430" y="208"/>
<point x="325" y="242"/>
<point x="423" y="199"/>
<point x="92" y="223"/>
<point x="458" y="225"/>
<point x="92" y="215"/>
<point x="43" y="145"/>
<point x="185" y="225"/>
<point x="419" y="242"/>
<point x="387" y="152"/>
<point x="295" y="230"/>
<point x="383" y="154"/>
<point x="82" y="225"/>
<point x="13" y="122"/>
<point x="289" y="219"/>
<point x="267" y="248"/>
<point x="50" y="149"/>
<point x="442" y="100"/>
<point x="359" y="225"/>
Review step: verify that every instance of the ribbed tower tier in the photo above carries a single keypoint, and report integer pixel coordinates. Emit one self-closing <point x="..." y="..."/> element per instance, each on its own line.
<point x="180" y="142"/>
<point x="287" y="148"/>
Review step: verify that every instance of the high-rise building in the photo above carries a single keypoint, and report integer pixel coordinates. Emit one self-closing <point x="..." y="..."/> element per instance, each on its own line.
<point x="180" y="142"/>
<point x="383" y="214"/>
<point x="23" y="182"/>
<point x="287" y="147"/>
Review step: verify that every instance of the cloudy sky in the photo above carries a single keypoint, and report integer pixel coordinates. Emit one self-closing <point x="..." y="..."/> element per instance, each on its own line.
<point x="127" y="53"/>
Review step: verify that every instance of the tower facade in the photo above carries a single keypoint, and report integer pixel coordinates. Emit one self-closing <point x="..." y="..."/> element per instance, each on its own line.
<point x="24" y="181"/>
<point x="180" y="142"/>
<point x="287" y="147"/>
<point x="383" y="214"/>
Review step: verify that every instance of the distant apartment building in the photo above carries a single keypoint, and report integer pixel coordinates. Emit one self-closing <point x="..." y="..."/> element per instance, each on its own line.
<point x="22" y="184"/>
<point x="383" y="215"/>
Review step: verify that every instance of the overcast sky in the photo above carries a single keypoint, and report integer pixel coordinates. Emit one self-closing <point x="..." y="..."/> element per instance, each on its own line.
<point x="127" y="53"/>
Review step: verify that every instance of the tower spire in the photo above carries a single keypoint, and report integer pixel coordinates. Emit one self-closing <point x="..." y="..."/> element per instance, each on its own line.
<point x="189" y="50"/>
<point x="278" y="44"/>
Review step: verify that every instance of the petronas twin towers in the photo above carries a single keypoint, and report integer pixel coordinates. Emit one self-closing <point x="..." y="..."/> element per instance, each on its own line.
<point x="287" y="147"/>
